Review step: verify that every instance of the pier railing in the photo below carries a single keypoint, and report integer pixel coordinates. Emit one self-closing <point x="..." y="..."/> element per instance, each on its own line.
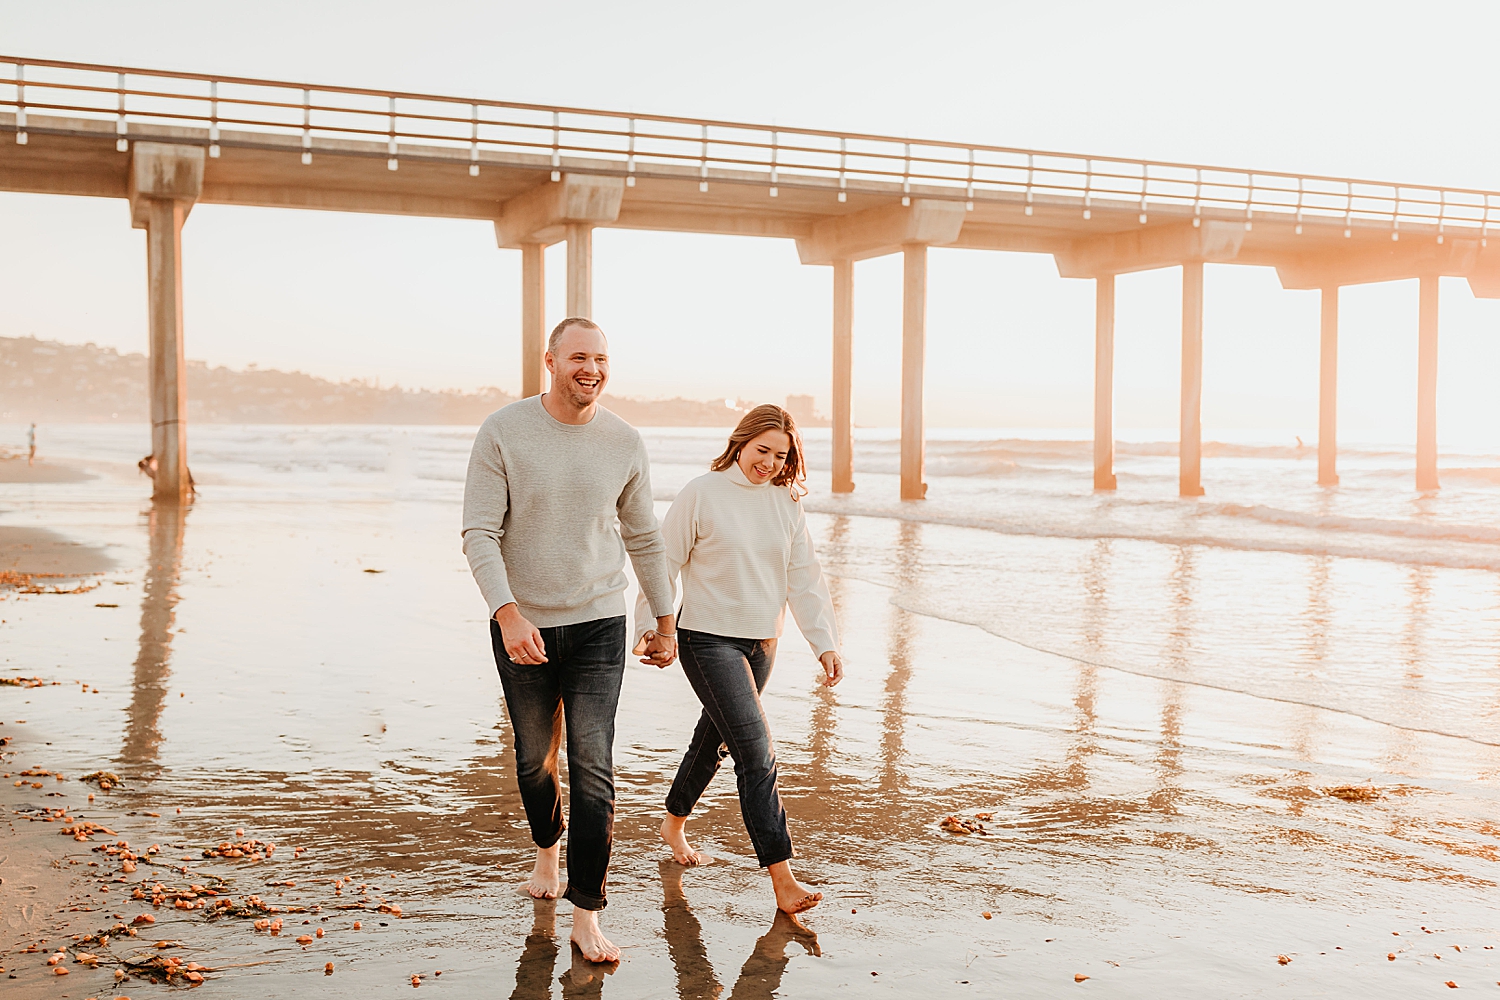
<point x="400" y="126"/>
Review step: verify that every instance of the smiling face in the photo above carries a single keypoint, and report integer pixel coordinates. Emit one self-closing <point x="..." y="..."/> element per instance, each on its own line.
<point x="764" y="455"/>
<point x="579" y="367"/>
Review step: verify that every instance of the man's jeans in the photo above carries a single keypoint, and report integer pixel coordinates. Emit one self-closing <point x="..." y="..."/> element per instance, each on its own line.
<point x="580" y="681"/>
<point x="728" y="676"/>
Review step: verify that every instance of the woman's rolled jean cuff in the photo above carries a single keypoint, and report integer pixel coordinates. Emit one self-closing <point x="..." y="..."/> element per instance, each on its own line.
<point x="584" y="900"/>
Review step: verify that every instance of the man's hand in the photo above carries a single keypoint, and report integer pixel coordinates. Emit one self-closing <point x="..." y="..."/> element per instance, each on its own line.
<point x="659" y="645"/>
<point x="523" y="643"/>
<point x="833" y="668"/>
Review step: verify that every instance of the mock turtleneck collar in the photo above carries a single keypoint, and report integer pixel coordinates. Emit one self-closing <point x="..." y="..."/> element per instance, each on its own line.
<point x="737" y="475"/>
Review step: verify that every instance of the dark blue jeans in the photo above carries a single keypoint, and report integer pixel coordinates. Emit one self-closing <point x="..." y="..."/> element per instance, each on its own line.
<point x="728" y="676"/>
<point x="580" y="682"/>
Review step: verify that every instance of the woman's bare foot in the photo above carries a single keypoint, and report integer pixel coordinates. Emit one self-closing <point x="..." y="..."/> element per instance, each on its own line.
<point x="545" y="882"/>
<point x="791" y="896"/>
<point x="590" y="939"/>
<point x="674" y="833"/>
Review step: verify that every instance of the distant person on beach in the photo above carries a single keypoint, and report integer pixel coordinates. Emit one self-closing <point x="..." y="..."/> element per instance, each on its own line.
<point x="558" y="492"/>
<point x="739" y="538"/>
<point x="31" y="445"/>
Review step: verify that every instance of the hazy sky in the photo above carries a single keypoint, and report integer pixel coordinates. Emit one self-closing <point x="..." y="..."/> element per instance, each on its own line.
<point x="1372" y="90"/>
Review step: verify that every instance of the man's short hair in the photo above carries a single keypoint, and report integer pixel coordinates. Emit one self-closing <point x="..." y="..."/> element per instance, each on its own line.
<point x="557" y="331"/>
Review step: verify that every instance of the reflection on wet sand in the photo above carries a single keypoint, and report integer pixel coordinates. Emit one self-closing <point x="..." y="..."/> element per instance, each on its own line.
<point x="539" y="957"/>
<point x="1168" y="757"/>
<point x="760" y="976"/>
<point x="900" y="640"/>
<point x="165" y="522"/>
<point x="1096" y="612"/>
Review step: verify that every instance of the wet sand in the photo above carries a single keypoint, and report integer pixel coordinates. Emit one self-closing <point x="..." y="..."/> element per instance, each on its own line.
<point x="50" y="554"/>
<point x="1159" y="837"/>
<point x="15" y="469"/>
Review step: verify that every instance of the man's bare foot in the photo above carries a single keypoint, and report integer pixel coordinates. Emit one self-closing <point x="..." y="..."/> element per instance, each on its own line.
<point x="545" y="882"/>
<point x="674" y="833"/>
<point x="791" y="896"/>
<point x="590" y="939"/>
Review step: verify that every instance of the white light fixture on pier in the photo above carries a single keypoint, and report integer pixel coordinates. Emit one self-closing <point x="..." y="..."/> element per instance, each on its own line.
<point x="21" y="136"/>
<point x="474" y="142"/>
<point x="213" y="119"/>
<point x="306" y="127"/>
<point x="630" y="157"/>
<point x="392" y="163"/>
<point x="122" y="144"/>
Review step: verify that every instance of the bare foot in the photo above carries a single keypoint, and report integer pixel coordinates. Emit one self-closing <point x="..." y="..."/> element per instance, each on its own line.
<point x="791" y="896"/>
<point x="674" y="833"/>
<point x="590" y="939"/>
<point x="544" y="882"/>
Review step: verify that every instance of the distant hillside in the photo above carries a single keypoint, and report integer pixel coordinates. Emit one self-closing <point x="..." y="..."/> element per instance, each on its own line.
<point x="50" y="382"/>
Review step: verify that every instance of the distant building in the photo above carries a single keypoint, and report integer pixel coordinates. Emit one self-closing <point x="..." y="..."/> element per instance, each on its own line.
<point x="801" y="409"/>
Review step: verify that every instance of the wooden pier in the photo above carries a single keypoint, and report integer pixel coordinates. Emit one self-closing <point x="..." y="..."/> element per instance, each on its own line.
<point x="166" y="141"/>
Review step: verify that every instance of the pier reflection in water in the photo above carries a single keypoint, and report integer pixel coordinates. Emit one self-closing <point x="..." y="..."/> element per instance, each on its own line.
<point x="165" y="523"/>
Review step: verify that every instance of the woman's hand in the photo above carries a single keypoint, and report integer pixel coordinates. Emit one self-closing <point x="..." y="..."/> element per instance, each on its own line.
<point x="656" y="650"/>
<point x="833" y="668"/>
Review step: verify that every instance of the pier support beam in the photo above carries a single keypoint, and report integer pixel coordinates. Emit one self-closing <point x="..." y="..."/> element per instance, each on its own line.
<point x="167" y="371"/>
<point x="580" y="269"/>
<point x="843" y="376"/>
<point x="1427" y="360"/>
<point x="1190" y="426"/>
<point x="533" y="318"/>
<point x="1328" y="390"/>
<point x="1104" y="382"/>
<point x="913" y="363"/>
<point x="164" y="182"/>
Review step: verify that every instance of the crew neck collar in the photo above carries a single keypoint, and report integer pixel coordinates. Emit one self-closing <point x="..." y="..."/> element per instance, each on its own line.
<point x="575" y="428"/>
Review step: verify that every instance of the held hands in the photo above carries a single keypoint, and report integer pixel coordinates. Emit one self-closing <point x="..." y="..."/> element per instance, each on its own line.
<point x="523" y="643"/>
<point x="658" y="647"/>
<point x="833" y="668"/>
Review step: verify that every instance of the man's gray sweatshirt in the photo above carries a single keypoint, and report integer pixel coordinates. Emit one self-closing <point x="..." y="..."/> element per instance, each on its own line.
<point x="550" y="511"/>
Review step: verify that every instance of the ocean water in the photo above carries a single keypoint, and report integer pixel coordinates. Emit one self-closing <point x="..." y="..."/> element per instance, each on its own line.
<point x="1367" y="598"/>
<point x="1151" y="696"/>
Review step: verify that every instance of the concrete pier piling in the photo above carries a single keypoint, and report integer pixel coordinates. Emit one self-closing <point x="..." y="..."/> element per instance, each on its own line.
<point x="913" y="370"/>
<point x="1104" y="382"/>
<point x="1190" y="427"/>
<point x="1328" y="389"/>
<point x="1427" y="365"/>
<point x="164" y="181"/>
<point x="843" y="376"/>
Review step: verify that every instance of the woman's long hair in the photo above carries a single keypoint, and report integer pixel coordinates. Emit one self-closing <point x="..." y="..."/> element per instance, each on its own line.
<point x="769" y="417"/>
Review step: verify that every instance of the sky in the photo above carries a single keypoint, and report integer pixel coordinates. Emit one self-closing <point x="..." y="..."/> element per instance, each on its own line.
<point x="1369" y="90"/>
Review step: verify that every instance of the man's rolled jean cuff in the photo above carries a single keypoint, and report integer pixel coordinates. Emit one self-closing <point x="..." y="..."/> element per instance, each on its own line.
<point x="584" y="900"/>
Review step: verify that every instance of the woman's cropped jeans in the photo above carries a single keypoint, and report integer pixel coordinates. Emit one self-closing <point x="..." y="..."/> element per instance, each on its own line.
<point x="728" y="675"/>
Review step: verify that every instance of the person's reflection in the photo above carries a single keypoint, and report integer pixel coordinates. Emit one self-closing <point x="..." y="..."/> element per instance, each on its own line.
<point x="534" y="972"/>
<point x="584" y="980"/>
<point x="695" y="976"/>
<point x="760" y="977"/>
<point x="158" y="613"/>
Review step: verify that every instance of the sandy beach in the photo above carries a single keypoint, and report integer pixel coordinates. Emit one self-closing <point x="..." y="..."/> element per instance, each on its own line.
<point x="299" y="659"/>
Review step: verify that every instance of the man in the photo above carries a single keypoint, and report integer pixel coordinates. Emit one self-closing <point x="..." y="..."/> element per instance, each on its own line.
<point x="558" y="492"/>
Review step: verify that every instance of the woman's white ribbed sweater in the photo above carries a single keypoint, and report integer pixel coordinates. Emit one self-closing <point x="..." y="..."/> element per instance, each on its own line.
<point x="744" y="553"/>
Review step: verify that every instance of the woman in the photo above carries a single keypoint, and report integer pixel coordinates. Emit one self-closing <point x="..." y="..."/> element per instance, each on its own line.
<point x="739" y="538"/>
